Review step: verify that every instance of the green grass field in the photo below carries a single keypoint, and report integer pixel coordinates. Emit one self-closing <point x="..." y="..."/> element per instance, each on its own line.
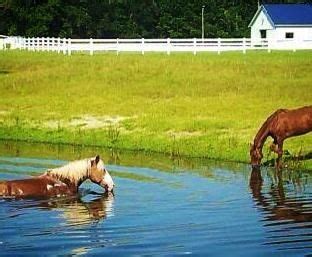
<point x="206" y="105"/>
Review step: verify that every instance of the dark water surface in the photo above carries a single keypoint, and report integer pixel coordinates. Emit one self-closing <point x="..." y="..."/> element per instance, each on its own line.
<point x="161" y="207"/>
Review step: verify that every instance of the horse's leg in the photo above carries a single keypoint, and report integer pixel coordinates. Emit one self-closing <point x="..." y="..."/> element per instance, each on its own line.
<point x="279" y="154"/>
<point x="273" y="146"/>
<point x="3" y="189"/>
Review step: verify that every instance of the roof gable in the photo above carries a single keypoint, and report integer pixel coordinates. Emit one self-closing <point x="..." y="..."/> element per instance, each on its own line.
<point x="289" y="14"/>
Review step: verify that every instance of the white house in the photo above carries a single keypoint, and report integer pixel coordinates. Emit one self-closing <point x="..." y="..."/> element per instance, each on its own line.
<point x="283" y="25"/>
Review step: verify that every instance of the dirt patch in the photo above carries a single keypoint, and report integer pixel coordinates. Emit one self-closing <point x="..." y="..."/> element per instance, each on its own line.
<point x="4" y="113"/>
<point x="88" y="122"/>
<point x="184" y="134"/>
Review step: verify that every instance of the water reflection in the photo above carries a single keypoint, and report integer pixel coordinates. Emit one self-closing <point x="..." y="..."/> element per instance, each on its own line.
<point x="160" y="162"/>
<point x="78" y="211"/>
<point x="286" y="209"/>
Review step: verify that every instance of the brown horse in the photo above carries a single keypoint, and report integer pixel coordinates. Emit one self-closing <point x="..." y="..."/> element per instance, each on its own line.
<point x="280" y="125"/>
<point x="60" y="181"/>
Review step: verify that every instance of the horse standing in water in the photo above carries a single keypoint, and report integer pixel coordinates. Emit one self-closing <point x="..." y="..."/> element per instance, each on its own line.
<point x="280" y="125"/>
<point x="60" y="181"/>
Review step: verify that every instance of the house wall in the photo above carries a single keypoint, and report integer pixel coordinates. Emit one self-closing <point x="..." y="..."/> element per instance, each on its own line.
<point x="300" y="33"/>
<point x="260" y="23"/>
<point x="278" y="34"/>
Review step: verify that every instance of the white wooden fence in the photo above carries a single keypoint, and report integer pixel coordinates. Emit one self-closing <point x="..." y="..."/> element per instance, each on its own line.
<point x="195" y="45"/>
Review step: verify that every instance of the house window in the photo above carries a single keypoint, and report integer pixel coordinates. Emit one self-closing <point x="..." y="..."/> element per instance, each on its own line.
<point x="263" y="33"/>
<point x="289" y="35"/>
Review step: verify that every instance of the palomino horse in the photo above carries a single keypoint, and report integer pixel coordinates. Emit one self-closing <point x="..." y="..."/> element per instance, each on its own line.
<point x="280" y="125"/>
<point x="60" y="181"/>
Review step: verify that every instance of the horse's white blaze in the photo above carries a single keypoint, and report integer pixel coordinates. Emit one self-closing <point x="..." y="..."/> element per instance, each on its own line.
<point x="49" y="187"/>
<point x="109" y="181"/>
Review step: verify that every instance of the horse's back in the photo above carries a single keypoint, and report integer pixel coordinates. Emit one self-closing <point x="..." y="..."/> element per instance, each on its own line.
<point x="294" y="122"/>
<point x="41" y="186"/>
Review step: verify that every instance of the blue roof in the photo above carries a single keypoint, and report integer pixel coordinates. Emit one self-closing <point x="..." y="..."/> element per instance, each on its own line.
<point x="289" y="14"/>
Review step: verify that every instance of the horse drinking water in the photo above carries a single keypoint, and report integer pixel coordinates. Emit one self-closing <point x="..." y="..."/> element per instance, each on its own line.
<point x="280" y="125"/>
<point x="60" y="181"/>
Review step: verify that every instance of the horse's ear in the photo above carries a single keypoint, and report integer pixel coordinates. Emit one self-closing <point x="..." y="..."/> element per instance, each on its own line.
<point x="97" y="159"/>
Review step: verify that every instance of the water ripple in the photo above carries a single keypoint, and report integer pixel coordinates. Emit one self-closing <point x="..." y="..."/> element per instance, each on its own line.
<point x="159" y="213"/>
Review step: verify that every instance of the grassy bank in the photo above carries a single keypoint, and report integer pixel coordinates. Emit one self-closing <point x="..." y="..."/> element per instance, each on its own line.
<point x="207" y="105"/>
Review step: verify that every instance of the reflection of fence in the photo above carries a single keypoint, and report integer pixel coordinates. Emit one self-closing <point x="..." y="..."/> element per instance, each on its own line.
<point x="195" y="45"/>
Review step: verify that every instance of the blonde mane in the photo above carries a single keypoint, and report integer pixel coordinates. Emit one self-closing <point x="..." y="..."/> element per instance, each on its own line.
<point x="74" y="171"/>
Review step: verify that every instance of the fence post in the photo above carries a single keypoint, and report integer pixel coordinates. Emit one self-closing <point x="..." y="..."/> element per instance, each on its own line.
<point x="244" y="45"/>
<point x="48" y="44"/>
<point x="294" y="45"/>
<point x="20" y="43"/>
<point x="33" y="43"/>
<point x="269" y="45"/>
<point x="142" y="46"/>
<point x="64" y="46"/>
<point x="37" y="44"/>
<point x="117" y="46"/>
<point x="42" y="44"/>
<point x="219" y="45"/>
<point x="91" y="46"/>
<point x="168" y="46"/>
<point x="69" y="46"/>
<point x="58" y="45"/>
<point x="195" y="45"/>
<point x="52" y="44"/>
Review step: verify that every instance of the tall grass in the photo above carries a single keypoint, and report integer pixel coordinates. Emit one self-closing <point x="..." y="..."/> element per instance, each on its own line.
<point x="206" y="105"/>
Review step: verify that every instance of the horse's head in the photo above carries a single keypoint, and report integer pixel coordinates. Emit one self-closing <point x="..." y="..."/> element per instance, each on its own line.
<point x="255" y="156"/>
<point x="99" y="174"/>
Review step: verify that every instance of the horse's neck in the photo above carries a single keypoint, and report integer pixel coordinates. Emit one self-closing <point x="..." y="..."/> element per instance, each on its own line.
<point x="72" y="174"/>
<point x="260" y="138"/>
<point x="263" y="132"/>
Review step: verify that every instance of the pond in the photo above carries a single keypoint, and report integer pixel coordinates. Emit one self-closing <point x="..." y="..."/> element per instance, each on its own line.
<point x="161" y="207"/>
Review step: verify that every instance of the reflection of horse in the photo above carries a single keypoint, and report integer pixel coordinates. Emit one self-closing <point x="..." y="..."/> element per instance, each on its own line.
<point x="77" y="211"/>
<point x="60" y="181"/>
<point x="280" y="125"/>
<point x="277" y="206"/>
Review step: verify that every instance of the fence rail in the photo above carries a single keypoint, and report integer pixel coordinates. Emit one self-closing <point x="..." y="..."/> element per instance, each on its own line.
<point x="142" y="45"/>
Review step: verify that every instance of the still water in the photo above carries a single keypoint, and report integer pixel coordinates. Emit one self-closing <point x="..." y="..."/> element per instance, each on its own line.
<point x="161" y="207"/>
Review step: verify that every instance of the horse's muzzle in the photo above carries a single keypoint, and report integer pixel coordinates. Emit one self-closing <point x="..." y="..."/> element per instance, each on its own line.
<point x="255" y="166"/>
<point x="108" y="188"/>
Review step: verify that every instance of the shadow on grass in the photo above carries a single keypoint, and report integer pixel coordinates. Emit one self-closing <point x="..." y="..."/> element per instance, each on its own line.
<point x="4" y="72"/>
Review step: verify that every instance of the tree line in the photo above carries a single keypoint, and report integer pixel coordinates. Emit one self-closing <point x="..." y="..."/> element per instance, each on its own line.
<point x="127" y="18"/>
